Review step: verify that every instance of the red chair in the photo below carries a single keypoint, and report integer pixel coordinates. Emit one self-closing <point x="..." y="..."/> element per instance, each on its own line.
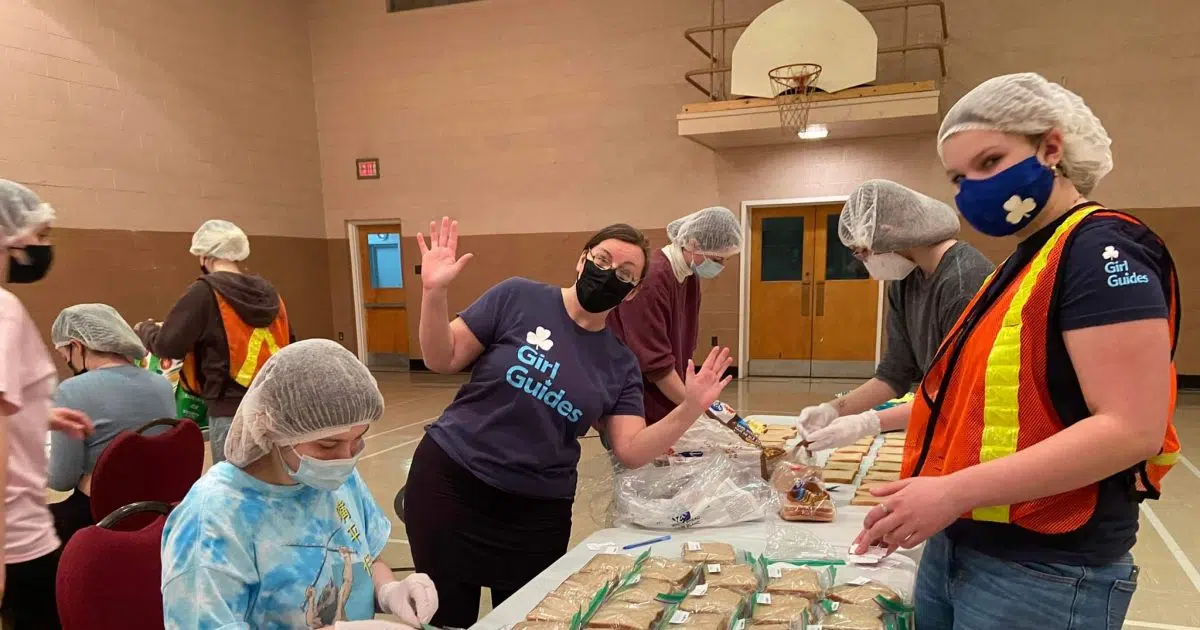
<point x="137" y="467"/>
<point x="110" y="579"/>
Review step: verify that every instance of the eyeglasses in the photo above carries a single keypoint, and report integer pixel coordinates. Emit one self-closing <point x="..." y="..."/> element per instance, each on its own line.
<point x="604" y="261"/>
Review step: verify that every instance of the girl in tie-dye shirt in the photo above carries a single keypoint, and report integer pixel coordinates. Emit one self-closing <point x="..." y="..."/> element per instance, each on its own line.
<point x="285" y="533"/>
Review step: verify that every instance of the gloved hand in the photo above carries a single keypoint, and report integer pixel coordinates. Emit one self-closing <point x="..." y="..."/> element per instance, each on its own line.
<point x="414" y="599"/>
<point x="844" y="430"/>
<point x="815" y="418"/>
<point x="370" y="624"/>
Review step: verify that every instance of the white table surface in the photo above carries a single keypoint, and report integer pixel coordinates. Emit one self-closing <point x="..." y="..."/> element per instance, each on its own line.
<point x="750" y="537"/>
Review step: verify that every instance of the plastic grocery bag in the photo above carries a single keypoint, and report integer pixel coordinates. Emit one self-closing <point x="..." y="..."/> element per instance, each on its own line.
<point x="706" y="492"/>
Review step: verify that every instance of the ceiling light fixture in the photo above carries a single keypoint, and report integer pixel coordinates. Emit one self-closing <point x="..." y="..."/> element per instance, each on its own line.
<point x="813" y="132"/>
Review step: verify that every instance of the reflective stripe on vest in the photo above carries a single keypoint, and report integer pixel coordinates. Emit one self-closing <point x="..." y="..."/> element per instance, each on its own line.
<point x="259" y="338"/>
<point x="1001" y="409"/>
<point x="249" y="348"/>
<point x="1164" y="459"/>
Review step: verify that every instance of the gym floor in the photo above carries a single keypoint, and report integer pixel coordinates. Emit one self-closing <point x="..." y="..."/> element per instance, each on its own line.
<point x="1168" y="596"/>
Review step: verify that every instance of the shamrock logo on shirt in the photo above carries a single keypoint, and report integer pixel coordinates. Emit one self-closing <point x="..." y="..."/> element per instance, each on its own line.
<point x="1018" y="209"/>
<point x="539" y="339"/>
<point x="1111" y="253"/>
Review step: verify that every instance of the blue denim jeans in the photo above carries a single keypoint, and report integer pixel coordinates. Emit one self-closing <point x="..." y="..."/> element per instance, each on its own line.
<point x="959" y="588"/>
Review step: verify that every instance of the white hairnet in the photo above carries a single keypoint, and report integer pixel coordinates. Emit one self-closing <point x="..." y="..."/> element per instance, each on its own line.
<point x="21" y="211"/>
<point x="883" y="216"/>
<point x="98" y="327"/>
<point x="222" y="240"/>
<point x="713" y="230"/>
<point x="1028" y="104"/>
<point x="309" y="390"/>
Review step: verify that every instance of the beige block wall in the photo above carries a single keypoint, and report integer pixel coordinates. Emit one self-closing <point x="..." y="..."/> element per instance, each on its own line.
<point x="138" y="120"/>
<point x="158" y="115"/>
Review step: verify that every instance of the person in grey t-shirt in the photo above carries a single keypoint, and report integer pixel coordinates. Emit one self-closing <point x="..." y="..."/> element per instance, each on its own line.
<point x="99" y="348"/>
<point x="908" y="240"/>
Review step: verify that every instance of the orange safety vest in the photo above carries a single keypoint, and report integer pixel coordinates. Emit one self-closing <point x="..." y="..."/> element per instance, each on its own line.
<point x="249" y="348"/>
<point x="986" y="396"/>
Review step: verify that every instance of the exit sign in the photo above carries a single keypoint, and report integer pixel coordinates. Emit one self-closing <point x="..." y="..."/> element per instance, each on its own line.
<point x="368" y="168"/>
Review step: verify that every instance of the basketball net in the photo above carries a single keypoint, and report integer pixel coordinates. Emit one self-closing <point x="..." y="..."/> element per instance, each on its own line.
<point x="793" y="88"/>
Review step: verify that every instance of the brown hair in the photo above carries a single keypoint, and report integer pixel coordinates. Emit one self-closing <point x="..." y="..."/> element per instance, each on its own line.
<point x="627" y="234"/>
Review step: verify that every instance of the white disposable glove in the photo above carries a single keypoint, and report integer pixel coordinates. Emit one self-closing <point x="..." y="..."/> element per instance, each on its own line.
<point x="844" y="430"/>
<point x="414" y="599"/>
<point x="815" y="418"/>
<point x="370" y="624"/>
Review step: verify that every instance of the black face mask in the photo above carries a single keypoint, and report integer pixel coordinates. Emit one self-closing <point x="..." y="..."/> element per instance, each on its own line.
<point x="40" y="259"/>
<point x="599" y="290"/>
<point x="71" y="365"/>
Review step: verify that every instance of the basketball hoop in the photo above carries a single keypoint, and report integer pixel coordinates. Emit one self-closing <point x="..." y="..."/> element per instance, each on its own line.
<point x="793" y="87"/>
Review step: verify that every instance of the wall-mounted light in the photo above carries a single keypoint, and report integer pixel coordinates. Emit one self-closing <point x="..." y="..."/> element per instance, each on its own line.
<point x="813" y="132"/>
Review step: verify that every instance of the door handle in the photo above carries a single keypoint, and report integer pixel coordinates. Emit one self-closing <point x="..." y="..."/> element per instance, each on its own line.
<point x="805" y="298"/>
<point x="820" y="299"/>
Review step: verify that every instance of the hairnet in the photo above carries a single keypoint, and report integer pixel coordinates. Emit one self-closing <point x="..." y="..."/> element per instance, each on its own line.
<point x="710" y="231"/>
<point x="1028" y="104"/>
<point x="222" y="240"/>
<point x="308" y="390"/>
<point x="884" y="216"/>
<point x="98" y="327"/>
<point x="21" y="211"/>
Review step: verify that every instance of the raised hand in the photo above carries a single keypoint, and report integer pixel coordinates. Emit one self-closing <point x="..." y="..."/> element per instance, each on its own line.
<point x="440" y="263"/>
<point x="702" y="387"/>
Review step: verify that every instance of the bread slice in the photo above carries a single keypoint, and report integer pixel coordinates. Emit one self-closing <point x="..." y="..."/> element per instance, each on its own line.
<point x="839" y="476"/>
<point x="880" y="475"/>
<point x="865" y="499"/>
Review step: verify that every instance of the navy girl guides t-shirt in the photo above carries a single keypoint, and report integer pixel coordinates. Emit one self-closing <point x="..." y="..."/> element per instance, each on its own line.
<point x="540" y="384"/>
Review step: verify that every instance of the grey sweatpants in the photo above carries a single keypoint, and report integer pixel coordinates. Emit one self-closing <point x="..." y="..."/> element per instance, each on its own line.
<point x="218" y="428"/>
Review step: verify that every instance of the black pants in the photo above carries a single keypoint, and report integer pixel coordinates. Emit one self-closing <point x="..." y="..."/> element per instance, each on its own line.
<point x="72" y="515"/>
<point x="468" y="535"/>
<point x="29" y="602"/>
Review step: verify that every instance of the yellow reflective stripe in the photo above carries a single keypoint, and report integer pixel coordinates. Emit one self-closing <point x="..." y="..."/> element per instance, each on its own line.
<point x="1164" y="459"/>
<point x="259" y="338"/>
<point x="1001" y="409"/>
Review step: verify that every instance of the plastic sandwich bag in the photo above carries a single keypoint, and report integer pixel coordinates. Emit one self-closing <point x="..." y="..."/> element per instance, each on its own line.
<point x="707" y="492"/>
<point x="790" y="541"/>
<point x="720" y="430"/>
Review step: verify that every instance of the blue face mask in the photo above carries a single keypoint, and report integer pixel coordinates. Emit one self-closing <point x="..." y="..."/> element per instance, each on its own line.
<point x="708" y="269"/>
<point x="1006" y="202"/>
<point x="323" y="474"/>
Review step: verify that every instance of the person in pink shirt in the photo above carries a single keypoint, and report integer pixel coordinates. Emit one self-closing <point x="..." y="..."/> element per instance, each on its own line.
<point x="27" y="383"/>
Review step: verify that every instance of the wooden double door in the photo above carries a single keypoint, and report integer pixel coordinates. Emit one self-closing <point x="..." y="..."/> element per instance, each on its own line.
<point x="813" y="307"/>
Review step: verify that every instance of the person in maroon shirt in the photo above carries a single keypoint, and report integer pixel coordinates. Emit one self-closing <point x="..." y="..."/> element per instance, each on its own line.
<point x="661" y="324"/>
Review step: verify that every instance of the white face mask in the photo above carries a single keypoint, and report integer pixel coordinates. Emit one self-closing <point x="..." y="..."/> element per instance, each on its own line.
<point x="323" y="474"/>
<point x="889" y="266"/>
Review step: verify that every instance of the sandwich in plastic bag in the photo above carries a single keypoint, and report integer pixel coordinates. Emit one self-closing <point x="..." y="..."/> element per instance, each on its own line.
<point x="802" y="494"/>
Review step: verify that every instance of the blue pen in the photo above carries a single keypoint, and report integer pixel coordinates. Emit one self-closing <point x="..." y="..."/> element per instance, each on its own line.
<point x="647" y="542"/>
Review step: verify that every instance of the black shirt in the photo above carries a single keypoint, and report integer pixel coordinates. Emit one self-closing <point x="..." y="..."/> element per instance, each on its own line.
<point x="1112" y="271"/>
